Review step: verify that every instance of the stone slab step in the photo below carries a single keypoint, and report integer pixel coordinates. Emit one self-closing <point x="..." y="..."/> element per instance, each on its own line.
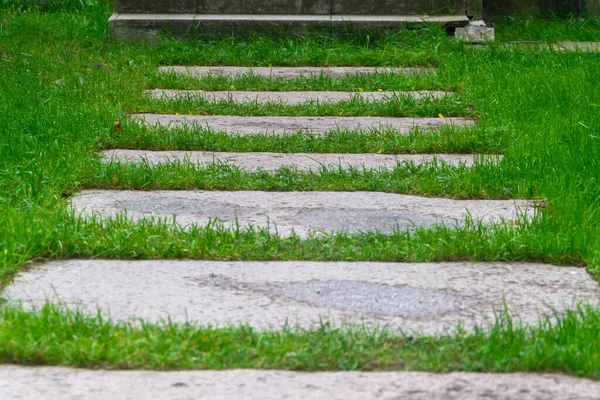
<point x="288" y="72"/>
<point x="301" y="212"/>
<point x="302" y="161"/>
<point x="255" y="125"/>
<point x="50" y="383"/>
<point x="146" y="26"/>
<point x="288" y="98"/>
<point x="424" y="297"/>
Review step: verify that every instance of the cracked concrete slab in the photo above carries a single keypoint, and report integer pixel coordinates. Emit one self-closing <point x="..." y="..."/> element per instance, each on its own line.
<point x="272" y="162"/>
<point x="300" y="212"/>
<point x="289" y="72"/>
<point x="282" y="126"/>
<point x="50" y="383"/>
<point x="288" y="98"/>
<point x="428" y="298"/>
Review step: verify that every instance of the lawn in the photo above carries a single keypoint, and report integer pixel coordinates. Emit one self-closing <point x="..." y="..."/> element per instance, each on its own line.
<point x="63" y="85"/>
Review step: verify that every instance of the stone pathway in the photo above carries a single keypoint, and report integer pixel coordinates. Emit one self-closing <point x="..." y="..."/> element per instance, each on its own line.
<point x="288" y="72"/>
<point x="50" y="383"/>
<point x="255" y="125"/>
<point x="289" y="98"/>
<point x="299" y="212"/>
<point x="428" y="298"/>
<point x="271" y="162"/>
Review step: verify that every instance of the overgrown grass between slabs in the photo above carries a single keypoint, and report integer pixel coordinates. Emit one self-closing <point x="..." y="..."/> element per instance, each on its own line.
<point x="483" y="181"/>
<point x="54" y="336"/>
<point x="396" y="106"/>
<point x="477" y="139"/>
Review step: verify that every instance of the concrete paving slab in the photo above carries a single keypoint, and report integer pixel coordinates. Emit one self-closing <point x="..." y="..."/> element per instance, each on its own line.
<point x="288" y="98"/>
<point x="289" y="72"/>
<point x="591" y="47"/>
<point x="299" y="212"/>
<point x="426" y="298"/>
<point x="50" y="383"/>
<point x="302" y="161"/>
<point x="288" y="125"/>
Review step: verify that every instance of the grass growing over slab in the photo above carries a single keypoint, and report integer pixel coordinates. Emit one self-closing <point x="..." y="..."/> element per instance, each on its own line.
<point x="62" y="86"/>
<point x="569" y="343"/>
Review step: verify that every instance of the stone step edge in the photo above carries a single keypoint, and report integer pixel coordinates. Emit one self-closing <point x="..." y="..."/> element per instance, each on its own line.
<point x="287" y="72"/>
<point x="50" y="383"/>
<point x="282" y="125"/>
<point x="305" y="213"/>
<point x="272" y="162"/>
<point x="291" y="98"/>
<point x="459" y="20"/>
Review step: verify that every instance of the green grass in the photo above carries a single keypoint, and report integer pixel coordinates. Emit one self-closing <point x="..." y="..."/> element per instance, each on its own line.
<point x="62" y="86"/>
<point x="448" y="139"/>
<point x="569" y="344"/>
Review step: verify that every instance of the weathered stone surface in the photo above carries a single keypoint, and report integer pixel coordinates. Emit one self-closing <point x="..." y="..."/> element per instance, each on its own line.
<point x="135" y="27"/>
<point x="423" y="297"/>
<point x="289" y="98"/>
<point x="475" y="32"/>
<point x="289" y="72"/>
<point x="591" y="47"/>
<point x="297" y="7"/>
<point x="302" y="161"/>
<point x="288" y="125"/>
<point x="50" y="383"/>
<point x="302" y="212"/>
<point x="155" y="6"/>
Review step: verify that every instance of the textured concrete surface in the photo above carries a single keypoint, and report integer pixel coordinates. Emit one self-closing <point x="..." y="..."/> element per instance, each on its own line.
<point x="475" y="32"/>
<point x="288" y="72"/>
<point x="296" y="7"/>
<point x="51" y="383"/>
<point x="303" y="161"/>
<point x="423" y="297"/>
<point x="141" y="27"/>
<point x="302" y="212"/>
<point x="232" y="124"/>
<point x="290" y="98"/>
<point x="591" y="47"/>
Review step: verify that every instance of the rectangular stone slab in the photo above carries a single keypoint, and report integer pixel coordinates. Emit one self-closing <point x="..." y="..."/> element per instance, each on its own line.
<point x="302" y="161"/>
<point x="281" y="126"/>
<point x="136" y="27"/>
<point x="299" y="212"/>
<point x="288" y="72"/>
<point x="288" y="98"/>
<point x="51" y="383"/>
<point x="425" y="297"/>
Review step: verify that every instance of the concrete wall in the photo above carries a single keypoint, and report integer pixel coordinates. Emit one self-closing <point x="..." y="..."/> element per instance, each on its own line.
<point x="322" y="7"/>
<point x="488" y="9"/>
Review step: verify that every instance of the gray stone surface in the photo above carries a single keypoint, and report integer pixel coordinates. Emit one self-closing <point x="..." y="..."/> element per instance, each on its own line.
<point x="289" y="72"/>
<point x="591" y="47"/>
<point x="475" y="32"/>
<point x="143" y="27"/>
<point x="290" y="98"/>
<point x="301" y="212"/>
<point x="51" y="383"/>
<point x="288" y="125"/>
<point x="296" y="7"/>
<point x="414" y="297"/>
<point x="303" y="161"/>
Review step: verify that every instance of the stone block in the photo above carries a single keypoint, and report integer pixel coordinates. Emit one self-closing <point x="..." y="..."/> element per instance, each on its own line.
<point x="265" y="7"/>
<point x="155" y="6"/>
<point x="475" y="32"/>
<point x="396" y="7"/>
